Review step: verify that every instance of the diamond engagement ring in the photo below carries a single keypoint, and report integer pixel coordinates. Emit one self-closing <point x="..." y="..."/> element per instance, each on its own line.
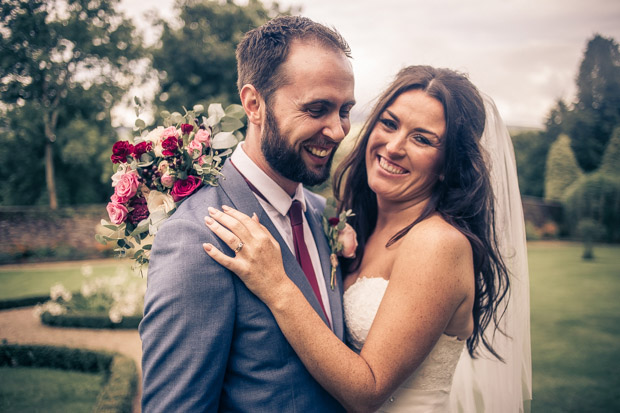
<point x="239" y="246"/>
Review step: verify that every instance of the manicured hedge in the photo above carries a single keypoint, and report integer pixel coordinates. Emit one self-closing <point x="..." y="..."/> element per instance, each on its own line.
<point x="122" y="375"/>
<point x="23" y="302"/>
<point x="89" y="320"/>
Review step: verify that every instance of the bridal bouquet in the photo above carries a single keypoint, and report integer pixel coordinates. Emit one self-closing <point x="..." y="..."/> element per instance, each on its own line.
<point x="156" y="170"/>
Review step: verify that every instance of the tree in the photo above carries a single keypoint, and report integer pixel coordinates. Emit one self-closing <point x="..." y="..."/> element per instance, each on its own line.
<point x="196" y="55"/>
<point x="561" y="170"/>
<point x="56" y="52"/>
<point x="531" y="148"/>
<point x="597" y="111"/>
<point x="610" y="164"/>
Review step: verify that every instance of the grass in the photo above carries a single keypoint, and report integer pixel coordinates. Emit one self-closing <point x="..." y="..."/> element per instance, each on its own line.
<point x="28" y="389"/>
<point x="575" y="328"/>
<point x="36" y="280"/>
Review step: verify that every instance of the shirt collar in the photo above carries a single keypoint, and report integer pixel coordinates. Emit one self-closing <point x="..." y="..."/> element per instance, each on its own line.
<point x="275" y="195"/>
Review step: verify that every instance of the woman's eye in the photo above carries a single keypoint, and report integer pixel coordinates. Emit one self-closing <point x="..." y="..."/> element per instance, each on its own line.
<point x="388" y="123"/>
<point x="422" y="139"/>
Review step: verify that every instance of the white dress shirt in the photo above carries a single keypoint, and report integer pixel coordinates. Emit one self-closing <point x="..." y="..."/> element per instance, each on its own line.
<point x="277" y="209"/>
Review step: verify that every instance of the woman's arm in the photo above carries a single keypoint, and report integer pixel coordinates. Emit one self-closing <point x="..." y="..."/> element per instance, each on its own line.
<point x="425" y="290"/>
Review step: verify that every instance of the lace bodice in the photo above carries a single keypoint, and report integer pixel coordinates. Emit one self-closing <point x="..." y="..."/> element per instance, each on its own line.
<point x="428" y="388"/>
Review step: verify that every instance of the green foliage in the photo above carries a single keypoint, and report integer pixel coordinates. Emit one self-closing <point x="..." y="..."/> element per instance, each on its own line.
<point x="589" y="230"/>
<point x="118" y="393"/>
<point x="595" y="196"/>
<point x="561" y="169"/>
<point x="597" y="111"/>
<point x="531" y="149"/>
<point x="23" y="302"/>
<point x="610" y="164"/>
<point x="196" y="55"/>
<point x="67" y="63"/>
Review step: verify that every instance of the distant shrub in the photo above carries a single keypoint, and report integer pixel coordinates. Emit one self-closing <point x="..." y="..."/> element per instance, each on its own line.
<point x="597" y="197"/>
<point x="122" y="374"/>
<point x="562" y="169"/>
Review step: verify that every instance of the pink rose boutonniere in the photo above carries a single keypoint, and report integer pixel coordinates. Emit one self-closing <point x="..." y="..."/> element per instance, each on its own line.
<point x="340" y="235"/>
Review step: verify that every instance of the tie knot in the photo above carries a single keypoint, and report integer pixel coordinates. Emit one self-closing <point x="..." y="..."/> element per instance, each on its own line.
<point x="295" y="212"/>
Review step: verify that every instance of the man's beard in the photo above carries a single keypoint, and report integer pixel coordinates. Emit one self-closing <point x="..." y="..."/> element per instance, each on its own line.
<point x="283" y="158"/>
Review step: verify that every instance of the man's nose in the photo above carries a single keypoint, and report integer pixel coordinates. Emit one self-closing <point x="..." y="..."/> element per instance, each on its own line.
<point x="335" y="129"/>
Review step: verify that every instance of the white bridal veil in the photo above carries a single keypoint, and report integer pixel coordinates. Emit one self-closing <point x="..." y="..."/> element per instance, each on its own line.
<point x="486" y="384"/>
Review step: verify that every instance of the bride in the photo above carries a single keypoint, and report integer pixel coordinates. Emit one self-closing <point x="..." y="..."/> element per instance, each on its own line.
<point x="429" y="284"/>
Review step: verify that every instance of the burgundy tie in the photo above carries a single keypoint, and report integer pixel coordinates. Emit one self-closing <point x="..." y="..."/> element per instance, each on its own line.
<point x="301" y="251"/>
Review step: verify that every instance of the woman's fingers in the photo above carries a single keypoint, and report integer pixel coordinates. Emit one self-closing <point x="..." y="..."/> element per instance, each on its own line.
<point x="221" y="258"/>
<point x="223" y="233"/>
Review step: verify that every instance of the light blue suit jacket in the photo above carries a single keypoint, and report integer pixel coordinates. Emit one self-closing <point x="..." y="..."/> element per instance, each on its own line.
<point x="208" y="343"/>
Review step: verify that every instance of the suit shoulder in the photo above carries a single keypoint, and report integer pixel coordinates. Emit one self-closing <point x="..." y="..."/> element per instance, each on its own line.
<point x="315" y="200"/>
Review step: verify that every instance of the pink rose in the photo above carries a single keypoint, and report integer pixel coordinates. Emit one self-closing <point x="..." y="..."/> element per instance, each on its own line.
<point x="117" y="212"/>
<point x="195" y="146"/>
<point x="203" y="160"/>
<point x="184" y="187"/>
<point x="203" y="136"/>
<point x="348" y="238"/>
<point x="169" y="132"/>
<point x="126" y="187"/>
<point x="167" y="180"/>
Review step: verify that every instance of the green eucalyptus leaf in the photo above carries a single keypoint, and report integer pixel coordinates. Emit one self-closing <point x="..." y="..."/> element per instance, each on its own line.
<point x="165" y="114"/>
<point x="223" y="140"/>
<point x="198" y="109"/>
<point x="236" y="111"/>
<point x="176" y="117"/>
<point x="101" y="239"/>
<point x="140" y="124"/>
<point x="230" y="124"/>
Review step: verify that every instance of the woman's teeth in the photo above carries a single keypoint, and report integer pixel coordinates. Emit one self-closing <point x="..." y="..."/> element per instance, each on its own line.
<point x="391" y="168"/>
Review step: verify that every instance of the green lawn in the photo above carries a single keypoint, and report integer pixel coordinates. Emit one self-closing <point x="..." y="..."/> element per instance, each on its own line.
<point x="575" y="328"/>
<point x="36" y="280"/>
<point x="29" y="389"/>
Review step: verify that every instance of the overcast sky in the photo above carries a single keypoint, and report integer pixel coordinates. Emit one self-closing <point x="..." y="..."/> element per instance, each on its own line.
<point x="525" y="54"/>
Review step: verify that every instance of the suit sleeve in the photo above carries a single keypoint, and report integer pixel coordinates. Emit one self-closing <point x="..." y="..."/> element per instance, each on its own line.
<point x="189" y="315"/>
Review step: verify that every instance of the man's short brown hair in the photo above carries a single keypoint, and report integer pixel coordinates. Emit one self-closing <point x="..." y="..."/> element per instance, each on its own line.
<point x="262" y="51"/>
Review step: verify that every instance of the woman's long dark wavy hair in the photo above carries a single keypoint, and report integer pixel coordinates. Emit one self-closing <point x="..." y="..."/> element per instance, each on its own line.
<point x="464" y="197"/>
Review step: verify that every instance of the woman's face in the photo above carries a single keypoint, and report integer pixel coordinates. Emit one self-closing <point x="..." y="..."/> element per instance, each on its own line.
<point x="404" y="154"/>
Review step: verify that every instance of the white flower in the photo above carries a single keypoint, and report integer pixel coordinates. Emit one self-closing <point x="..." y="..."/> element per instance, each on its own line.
<point x="87" y="270"/>
<point x="59" y="291"/>
<point x="123" y="168"/>
<point x="115" y="315"/>
<point x="155" y="137"/>
<point x="158" y="201"/>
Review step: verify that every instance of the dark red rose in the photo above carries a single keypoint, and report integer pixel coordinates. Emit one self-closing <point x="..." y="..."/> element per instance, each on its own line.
<point x="140" y="210"/>
<point x="120" y="151"/>
<point x="333" y="221"/>
<point x="142" y="148"/>
<point x="186" y="128"/>
<point x="184" y="187"/>
<point x="170" y="145"/>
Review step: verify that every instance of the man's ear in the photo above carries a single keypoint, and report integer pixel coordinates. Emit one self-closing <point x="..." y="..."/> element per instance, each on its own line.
<point x="253" y="104"/>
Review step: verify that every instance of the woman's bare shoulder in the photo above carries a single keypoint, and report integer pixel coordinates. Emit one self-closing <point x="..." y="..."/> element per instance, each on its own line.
<point x="436" y="232"/>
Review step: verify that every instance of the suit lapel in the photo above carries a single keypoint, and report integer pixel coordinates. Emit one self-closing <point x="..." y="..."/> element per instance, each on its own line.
<point x="313" y="216"/>
<point x="244" y="200"/>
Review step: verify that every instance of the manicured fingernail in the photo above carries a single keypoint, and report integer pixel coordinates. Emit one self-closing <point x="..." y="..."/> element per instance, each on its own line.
<point x="212" y="211"/>
<point x="207" y="247"/>
<point x="226" y="208"/>
<point x="209" y="220"/>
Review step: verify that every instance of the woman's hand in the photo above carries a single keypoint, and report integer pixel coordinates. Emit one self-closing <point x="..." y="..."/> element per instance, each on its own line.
<point x="257" y="260"/>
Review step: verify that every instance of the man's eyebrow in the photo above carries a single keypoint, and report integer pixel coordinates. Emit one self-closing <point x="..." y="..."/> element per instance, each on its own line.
<point x="327" y="102"/>
<point x="422" y="130"/>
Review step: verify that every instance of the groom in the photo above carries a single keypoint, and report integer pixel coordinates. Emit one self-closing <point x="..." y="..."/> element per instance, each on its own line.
<point x="208" y="343"/>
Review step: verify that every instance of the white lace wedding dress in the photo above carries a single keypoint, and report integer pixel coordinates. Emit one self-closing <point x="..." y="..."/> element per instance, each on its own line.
<point x="428" y="388"/>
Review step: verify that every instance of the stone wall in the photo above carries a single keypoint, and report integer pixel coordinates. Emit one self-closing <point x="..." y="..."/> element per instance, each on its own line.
<point x="37" y="233"/>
